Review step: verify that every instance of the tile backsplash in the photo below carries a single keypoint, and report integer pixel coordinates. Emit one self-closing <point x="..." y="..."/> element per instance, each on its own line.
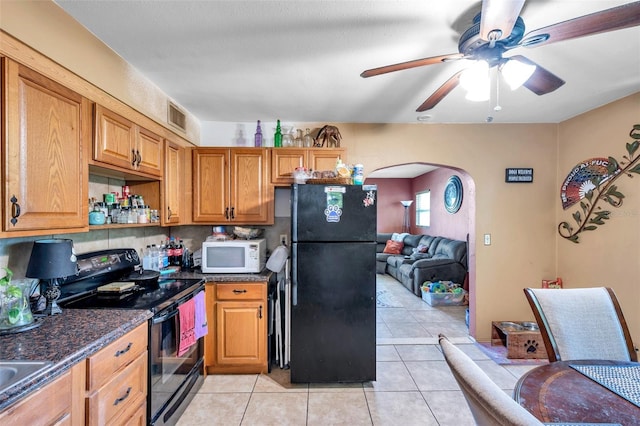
<point x="15" y="252"/>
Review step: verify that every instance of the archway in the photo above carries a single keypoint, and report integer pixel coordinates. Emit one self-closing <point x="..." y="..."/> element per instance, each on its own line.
<point x="402" y="182"/>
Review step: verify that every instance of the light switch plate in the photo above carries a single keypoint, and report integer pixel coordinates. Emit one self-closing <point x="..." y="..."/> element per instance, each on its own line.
<point x="487" y="239"/>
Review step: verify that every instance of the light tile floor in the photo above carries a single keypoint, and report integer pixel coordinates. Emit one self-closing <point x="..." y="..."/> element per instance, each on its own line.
<point x="413" y="384"/>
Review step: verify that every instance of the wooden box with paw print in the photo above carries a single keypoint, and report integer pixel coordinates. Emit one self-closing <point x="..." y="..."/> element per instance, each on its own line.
<point x="522" y="339"/>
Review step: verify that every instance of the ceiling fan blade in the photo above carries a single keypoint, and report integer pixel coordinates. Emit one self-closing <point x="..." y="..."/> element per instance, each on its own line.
<point x="498" y="15"/>
<point x="410" y="64"/>
<point x="541" y="81"/>
<point x="616" y="18"/>
<point x="442" y="91"/>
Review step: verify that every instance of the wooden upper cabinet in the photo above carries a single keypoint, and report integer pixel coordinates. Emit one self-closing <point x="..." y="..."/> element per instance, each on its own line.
<point x="122" y="143"/>
<point x="173" y="184"/>
<point x="231" y="185"/>
<point x="149" y="150"/>
<point x="45" y="175"/>
<point x="285" y="160"/>
<point x="210" y="185"/>
<point x="325" y="159"/>
<point x="251" y="197"/>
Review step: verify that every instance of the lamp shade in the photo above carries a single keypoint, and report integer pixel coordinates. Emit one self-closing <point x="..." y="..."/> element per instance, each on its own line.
<point x="516" y="73"/>
<point x="406" y="203"/>
<point x="52" y="258"/>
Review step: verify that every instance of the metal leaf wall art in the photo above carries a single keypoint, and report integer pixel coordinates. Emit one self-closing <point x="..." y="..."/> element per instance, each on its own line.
<point x="602" y="190"/>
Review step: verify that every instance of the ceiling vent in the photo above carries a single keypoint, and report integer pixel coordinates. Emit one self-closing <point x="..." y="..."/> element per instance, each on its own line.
<point x="177" y="117"/>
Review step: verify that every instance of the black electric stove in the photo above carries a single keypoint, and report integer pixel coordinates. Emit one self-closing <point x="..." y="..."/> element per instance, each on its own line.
<point x="103" y="267"/>
<point x="174" y="375"/>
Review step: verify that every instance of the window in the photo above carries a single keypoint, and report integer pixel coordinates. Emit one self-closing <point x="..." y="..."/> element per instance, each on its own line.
<point x="423" y="208"/>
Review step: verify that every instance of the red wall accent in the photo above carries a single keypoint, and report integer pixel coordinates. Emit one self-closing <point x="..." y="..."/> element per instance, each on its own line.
<point x="443" y="223"/>
<point x="390" y="211"/>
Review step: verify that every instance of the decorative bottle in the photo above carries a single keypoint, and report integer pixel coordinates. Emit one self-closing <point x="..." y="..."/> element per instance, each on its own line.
<point x="297" y="142"/>
<point x="287" y="137"/>
<point x="307" y="141"/>
<point x="277" y="138"/>
<point x="258" y="136"/>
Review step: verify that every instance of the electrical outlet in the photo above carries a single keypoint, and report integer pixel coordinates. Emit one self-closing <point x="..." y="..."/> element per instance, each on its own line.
<point x="487" y="239"/>
<point x="284" y="240"/>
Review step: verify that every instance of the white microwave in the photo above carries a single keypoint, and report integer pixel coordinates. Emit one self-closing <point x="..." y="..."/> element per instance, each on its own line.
<point x="233" y="256"/>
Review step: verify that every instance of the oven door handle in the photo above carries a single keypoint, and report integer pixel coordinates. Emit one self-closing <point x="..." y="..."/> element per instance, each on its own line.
<point x="165" y="317"/>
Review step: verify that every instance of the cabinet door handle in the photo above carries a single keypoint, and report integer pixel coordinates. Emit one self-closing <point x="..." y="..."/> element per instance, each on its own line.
<point x="139" y="160"/>
<point x="169" y="213"/>
<point x="226" y="213"/>
<point x="134" y="158"/>
<point x="260" y="312"/>
<point x="236" y="291"/>
<point x="15" y="210"/>
<point x="233" y="215"/>
<point x="125" y="350"/>
<point x="123" y="397"/>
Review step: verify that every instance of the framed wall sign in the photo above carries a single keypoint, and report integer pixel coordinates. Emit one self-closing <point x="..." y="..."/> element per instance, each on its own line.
<point x="518" y="175"/>
<point x="453" y="194"/>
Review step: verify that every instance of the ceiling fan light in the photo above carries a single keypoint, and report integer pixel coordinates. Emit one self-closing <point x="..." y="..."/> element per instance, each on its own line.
<point x="516" y="73"/>
<point x="476" y="75"/>
<point x="479" y="94"/>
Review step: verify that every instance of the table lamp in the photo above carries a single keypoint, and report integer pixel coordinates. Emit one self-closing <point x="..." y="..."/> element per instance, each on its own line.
<point x="52" y="259"/>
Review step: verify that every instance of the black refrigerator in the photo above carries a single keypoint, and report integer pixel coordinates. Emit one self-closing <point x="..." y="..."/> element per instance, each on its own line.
<point x="333" y="292"/>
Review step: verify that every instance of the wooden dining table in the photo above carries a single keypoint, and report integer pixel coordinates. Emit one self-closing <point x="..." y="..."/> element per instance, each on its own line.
<point x="556" y="392"/>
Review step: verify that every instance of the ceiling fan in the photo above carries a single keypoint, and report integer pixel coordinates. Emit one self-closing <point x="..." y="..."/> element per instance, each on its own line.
<point x="497" y="29"/>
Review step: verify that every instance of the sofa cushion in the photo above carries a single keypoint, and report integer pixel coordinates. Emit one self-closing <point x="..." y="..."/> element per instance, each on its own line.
<point x="412" y="240"/>
<point x="451" y="249"/>
<point x="418" y="256"/>
<point x="393" y="247"/>
<point x="426" y="241"/>
<point x="396" y="260"/>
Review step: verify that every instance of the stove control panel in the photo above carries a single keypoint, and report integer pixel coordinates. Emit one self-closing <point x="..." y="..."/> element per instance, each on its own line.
<point x="104" y="262"/>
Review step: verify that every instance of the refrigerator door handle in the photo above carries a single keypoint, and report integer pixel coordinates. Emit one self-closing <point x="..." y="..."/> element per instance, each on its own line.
<point x="294" y="293"/>
<point x="294" y="275"/>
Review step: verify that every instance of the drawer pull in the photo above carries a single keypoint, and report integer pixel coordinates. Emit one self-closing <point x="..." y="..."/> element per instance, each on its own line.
<point x="122" y="398"/>
<point x="236" y="291"/>
<point x="125" y="350"/>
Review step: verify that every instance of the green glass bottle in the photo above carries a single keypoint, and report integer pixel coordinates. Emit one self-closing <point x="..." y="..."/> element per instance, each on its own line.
<point x="277" y="138"/>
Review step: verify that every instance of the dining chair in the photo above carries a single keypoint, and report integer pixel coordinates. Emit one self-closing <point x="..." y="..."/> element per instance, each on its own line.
<point x="581" y="323"/>
<point x="489" y="404"/>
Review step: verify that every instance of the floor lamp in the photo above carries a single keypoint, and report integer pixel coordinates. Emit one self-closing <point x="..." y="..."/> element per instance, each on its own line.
<point x="406" y="224"/>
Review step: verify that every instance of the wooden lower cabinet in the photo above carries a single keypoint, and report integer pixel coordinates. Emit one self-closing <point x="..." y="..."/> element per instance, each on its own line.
<point x="237" y="339"/>
<point x="117" y="380"/>
<point x="107" y="388"/>
<point x="50" y="405"/>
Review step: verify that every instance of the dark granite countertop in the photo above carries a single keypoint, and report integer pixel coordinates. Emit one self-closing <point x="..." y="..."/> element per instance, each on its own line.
<point x="65" y="340"/>
<point x="263" y="276"/>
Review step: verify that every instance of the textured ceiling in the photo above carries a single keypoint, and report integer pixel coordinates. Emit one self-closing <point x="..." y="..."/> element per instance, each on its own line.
<point x="239" y="61"/>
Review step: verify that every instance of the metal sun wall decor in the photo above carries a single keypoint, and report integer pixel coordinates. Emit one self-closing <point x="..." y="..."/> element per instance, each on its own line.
<point x="592" y="181"/>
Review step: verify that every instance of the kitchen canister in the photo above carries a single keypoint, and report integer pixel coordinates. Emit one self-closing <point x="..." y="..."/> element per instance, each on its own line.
<point x="358" y="174"/>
